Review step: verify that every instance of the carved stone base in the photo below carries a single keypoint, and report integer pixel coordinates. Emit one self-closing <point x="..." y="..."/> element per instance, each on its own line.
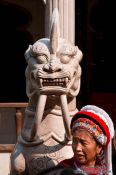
<point x="39" y="157"/>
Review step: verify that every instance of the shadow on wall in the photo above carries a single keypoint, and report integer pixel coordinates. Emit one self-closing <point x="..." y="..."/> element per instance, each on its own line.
<point x="15" y="39"/>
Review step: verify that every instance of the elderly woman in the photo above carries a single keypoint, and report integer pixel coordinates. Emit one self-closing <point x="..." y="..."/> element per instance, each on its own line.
<point x="92" y="130"/>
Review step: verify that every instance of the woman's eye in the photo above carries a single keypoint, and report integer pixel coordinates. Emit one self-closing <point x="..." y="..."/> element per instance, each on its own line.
<point x="41" y="59"/>
<point x="64" y="59"/>
<point x="84" y="143"/>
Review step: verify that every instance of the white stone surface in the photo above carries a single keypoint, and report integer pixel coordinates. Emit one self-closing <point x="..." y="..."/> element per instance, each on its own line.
<point x="4" y="163"/>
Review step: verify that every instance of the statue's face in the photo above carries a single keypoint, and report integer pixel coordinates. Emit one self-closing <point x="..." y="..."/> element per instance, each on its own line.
<point x="55" y="73"/>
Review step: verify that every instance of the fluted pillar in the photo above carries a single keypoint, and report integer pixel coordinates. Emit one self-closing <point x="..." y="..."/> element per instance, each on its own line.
<point x="66" y="10"/>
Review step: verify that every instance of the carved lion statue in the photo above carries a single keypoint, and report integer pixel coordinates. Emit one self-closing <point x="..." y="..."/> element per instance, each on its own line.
<point x="52" y="83"/>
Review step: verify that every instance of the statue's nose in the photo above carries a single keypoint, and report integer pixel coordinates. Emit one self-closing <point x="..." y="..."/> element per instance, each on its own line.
<point x="54" y="65"/>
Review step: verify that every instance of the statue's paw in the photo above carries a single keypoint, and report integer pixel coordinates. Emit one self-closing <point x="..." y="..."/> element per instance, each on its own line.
<point x="17" y="164"/>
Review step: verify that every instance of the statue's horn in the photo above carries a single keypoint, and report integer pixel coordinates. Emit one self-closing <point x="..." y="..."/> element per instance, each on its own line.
<point x="55" y="31"/>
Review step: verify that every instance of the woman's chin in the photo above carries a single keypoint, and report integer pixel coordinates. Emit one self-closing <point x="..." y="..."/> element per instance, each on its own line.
<point x="81" y="160"/>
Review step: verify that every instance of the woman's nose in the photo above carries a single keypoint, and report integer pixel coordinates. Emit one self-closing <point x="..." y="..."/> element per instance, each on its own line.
<point x="78" y="147"/>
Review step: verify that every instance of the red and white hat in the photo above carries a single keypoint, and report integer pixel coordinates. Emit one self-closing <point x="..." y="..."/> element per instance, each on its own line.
<point x="100" y="125"/>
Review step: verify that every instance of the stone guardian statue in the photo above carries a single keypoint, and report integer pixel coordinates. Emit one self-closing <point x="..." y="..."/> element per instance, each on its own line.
<point x="52" y="84"/>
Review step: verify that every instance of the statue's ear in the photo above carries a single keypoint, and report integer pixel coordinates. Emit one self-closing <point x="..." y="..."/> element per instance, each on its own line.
<point x="27" y="53"/>
<point x="54" y="31"/>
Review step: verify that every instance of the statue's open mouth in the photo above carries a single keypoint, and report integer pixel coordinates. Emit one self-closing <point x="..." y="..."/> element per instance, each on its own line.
<point x="56" y="83"/>
<point x="62" y="82"/>
<point x="51" y="86"/>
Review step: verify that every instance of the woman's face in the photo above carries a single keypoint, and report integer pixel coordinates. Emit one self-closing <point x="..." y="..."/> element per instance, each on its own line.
<point x="85" y="147"/>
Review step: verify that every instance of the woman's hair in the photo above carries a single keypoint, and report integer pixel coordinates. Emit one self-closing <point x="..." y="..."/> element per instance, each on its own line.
<point x="60" y="171"/>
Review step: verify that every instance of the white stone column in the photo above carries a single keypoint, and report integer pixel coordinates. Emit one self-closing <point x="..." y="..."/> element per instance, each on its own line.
<point x="66" y="10"/>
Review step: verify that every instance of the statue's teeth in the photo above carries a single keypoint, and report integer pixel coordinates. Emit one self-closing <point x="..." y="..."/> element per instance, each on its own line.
<point x="66" y="80"/>
<point x="41" y="81"/>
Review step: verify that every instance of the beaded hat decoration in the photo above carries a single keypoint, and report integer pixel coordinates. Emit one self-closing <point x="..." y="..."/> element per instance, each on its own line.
<point x="94" y="129"/>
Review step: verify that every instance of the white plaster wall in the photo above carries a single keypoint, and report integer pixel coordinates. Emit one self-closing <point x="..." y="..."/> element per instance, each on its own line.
<point x="4" y="163"/>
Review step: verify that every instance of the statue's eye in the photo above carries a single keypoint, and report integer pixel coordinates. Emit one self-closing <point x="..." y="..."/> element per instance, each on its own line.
<point x="65" y="59"/>
<point x="41" y="59"/>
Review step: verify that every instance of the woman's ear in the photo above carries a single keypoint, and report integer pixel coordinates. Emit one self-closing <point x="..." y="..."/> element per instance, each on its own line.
<point x="99" y="149"/>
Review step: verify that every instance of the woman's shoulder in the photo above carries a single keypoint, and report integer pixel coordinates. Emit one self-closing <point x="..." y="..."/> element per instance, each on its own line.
<point x="67" y="163"/>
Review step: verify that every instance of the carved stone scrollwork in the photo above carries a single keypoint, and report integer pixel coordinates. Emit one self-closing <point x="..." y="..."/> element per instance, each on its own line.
<point x="52" y="84"/>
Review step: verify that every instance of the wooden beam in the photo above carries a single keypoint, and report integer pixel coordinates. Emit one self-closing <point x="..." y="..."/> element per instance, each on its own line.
<point x="6" y="148"/>
<point x="13" y="105"/>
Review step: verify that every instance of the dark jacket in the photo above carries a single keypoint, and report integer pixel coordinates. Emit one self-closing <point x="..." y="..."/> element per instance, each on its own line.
<point x="71" y="163"/>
